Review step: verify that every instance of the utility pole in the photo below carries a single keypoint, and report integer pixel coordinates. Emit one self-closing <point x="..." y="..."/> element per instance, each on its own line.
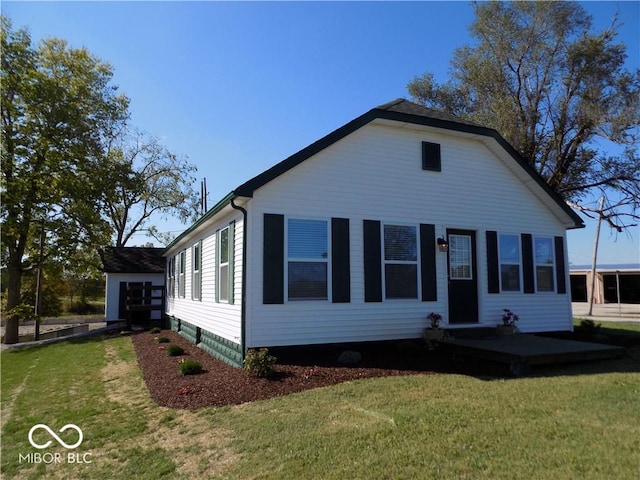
<point x="595" y="257"/>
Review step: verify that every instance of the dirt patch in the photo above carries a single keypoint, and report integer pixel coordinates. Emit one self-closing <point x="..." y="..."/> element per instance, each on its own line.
<point x="180" y="432"/>
<point x="297" y="370"/>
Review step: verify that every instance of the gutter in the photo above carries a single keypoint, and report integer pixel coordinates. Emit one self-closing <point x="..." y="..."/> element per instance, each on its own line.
<point x="243" y="301"/>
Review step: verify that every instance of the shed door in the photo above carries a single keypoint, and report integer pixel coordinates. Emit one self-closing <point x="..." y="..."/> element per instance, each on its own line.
<point x="463" y="276"/>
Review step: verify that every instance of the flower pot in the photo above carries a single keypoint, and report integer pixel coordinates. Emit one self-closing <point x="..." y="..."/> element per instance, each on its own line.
<point x="505" y="330"/>
<point x="433" y="334"/>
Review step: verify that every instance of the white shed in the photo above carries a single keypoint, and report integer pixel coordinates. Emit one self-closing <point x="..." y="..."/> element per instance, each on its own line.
<point x="401" y="212"/>
<point x="134" y="279"/>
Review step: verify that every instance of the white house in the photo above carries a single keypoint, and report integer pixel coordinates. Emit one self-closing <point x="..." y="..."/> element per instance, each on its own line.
<point x="401" y="212"/>
<point x="134" y="278"/>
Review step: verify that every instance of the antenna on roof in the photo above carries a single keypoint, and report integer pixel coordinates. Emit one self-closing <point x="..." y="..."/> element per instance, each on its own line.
<point x="203" y="195"/>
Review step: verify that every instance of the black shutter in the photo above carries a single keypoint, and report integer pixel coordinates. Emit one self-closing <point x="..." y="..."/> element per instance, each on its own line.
<point x="428" y="262"/>
<point x="273" y="259"/>
<point x="493" y="263"/>
<point x="528" y="270"/>
<point x="560" y="267"/>
<point x="372" y="262"/>
<point x="340" y="261"/>
<point x="431" y="156"/>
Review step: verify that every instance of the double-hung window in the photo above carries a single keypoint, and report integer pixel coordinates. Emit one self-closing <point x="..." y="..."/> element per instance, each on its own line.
<point x="307" y="259"/>
<point x="509" y="250"/>
<point x="171" y="276"/>
<point x="196" y="260"/>
<point x="182" y="260"/>
<point x="400" y="261"/>
<point x="544" y="263"/>
<point x="224" y="255"/>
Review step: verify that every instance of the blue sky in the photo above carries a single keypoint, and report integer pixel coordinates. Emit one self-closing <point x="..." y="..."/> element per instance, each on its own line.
<point x="239" y="86"/>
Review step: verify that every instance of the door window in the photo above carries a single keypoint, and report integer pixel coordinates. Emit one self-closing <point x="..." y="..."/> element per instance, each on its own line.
<point x="460" y="260"/>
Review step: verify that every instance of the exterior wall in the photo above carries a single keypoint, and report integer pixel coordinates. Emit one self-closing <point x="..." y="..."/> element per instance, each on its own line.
<point x="112" y="294"/>
<point x="375" y="174"/>
<point x="221" y="318"/>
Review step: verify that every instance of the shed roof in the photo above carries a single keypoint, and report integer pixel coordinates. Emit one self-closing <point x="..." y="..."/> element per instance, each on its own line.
<point x="132" y="260"/>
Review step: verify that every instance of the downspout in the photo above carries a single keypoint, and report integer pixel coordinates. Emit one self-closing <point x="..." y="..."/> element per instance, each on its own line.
<point x="243" y="301"/>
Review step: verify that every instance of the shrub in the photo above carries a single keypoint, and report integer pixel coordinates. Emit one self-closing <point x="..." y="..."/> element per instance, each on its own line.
<point x="259" y="363"/>
<point x="588" y="327"/>
<point x="174" y="350"/>
<point x="190" y="367"/>
<point x="154" y="330"/>
<point x="162" y="340"/>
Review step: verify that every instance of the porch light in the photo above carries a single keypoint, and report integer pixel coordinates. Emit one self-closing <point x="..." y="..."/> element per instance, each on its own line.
<point x="443" y="245"/>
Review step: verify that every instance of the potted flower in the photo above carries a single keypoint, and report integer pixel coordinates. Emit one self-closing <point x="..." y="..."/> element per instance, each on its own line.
<point x="508" y="325"/>
<point x="434" y="332"/>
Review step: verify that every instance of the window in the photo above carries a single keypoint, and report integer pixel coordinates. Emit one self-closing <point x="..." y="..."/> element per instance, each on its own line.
<point x="181" y="272"/>
<point x="196" y="284"/>
<point x="224" y="256"/>
<point x="400" y="261"/>
<point x="307" y="259"/>
<point x="509" y="263"/>
<point x="543" y="253"/>
<point x="460" y="261"/>
<point x="171" y="276"/>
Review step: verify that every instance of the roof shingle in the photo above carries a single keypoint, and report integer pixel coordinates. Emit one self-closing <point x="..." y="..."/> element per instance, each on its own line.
<point x="132" y="260"/>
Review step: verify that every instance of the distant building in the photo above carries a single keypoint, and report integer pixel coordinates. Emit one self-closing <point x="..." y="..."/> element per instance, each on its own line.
<point x="614" y="283"/>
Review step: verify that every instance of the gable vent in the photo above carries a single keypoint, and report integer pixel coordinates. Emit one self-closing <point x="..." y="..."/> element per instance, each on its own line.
<point x="431" y="156"/>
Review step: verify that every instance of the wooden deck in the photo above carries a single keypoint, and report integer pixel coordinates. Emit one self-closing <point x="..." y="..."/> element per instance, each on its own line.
<point x="522" y="351"/>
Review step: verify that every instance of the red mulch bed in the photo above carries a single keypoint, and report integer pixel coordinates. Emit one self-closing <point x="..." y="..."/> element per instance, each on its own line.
<point x="297" y="370"/>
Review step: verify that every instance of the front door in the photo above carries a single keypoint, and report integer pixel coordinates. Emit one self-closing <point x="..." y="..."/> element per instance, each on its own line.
<point x="463" y="276"/>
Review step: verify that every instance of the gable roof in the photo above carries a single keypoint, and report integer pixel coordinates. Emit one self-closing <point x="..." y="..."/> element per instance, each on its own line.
<point x="399" y="110"/>
<point x="402" y="110"/>
<point x="132" y="260"/>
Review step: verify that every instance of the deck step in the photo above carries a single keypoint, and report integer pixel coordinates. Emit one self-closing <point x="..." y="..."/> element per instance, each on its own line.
<point x="471" y="332"/>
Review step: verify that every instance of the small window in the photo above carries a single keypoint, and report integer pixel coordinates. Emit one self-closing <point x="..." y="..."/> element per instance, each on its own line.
<point x="510" y="263"/>
<point x="400" y="261"/>
<point x="543" y="252"/>
<point x="460" y="260"/>
<point x="181" y="273"/>
<point x="307" y="259"/>
<point x="196" y="283"/>
<point x="431" y="157"/>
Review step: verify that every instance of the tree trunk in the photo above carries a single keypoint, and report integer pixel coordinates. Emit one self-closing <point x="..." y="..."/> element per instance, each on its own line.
<point x="14" y="282"/>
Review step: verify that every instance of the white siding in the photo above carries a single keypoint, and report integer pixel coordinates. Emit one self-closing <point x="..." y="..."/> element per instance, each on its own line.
<point x="375" y="173"/>
<point x="221" y="318"/>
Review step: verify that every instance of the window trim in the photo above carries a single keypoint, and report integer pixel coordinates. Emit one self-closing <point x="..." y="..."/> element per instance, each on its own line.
<point x="385" y="262"/>
<point x="182" y="267"/>
<point x="326" y="260"/>
<point x="196" y="273"/>
<point x="220" y="264"/>
<point x="501" y="262"/>
<point x="171" y="276"/>
<point x="552" y="254"/>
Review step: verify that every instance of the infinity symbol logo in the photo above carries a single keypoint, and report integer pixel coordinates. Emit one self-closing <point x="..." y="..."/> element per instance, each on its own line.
<point x="53" y="434"/>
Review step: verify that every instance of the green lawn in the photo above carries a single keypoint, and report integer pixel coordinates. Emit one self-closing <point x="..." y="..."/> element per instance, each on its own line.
<point x="565" y="423"/>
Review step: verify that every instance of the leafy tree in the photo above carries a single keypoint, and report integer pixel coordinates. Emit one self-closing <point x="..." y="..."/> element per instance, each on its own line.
<point x="59" y="112"/>
<point x="145" y="179"/>
<point x="558" y="93"/>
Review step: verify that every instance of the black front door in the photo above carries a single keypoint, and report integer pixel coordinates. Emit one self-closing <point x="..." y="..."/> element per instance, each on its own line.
<point x="463" y="276"/>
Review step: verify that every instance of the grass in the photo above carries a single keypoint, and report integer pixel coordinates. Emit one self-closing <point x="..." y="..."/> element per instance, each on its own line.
<point x="580" y="421"/>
